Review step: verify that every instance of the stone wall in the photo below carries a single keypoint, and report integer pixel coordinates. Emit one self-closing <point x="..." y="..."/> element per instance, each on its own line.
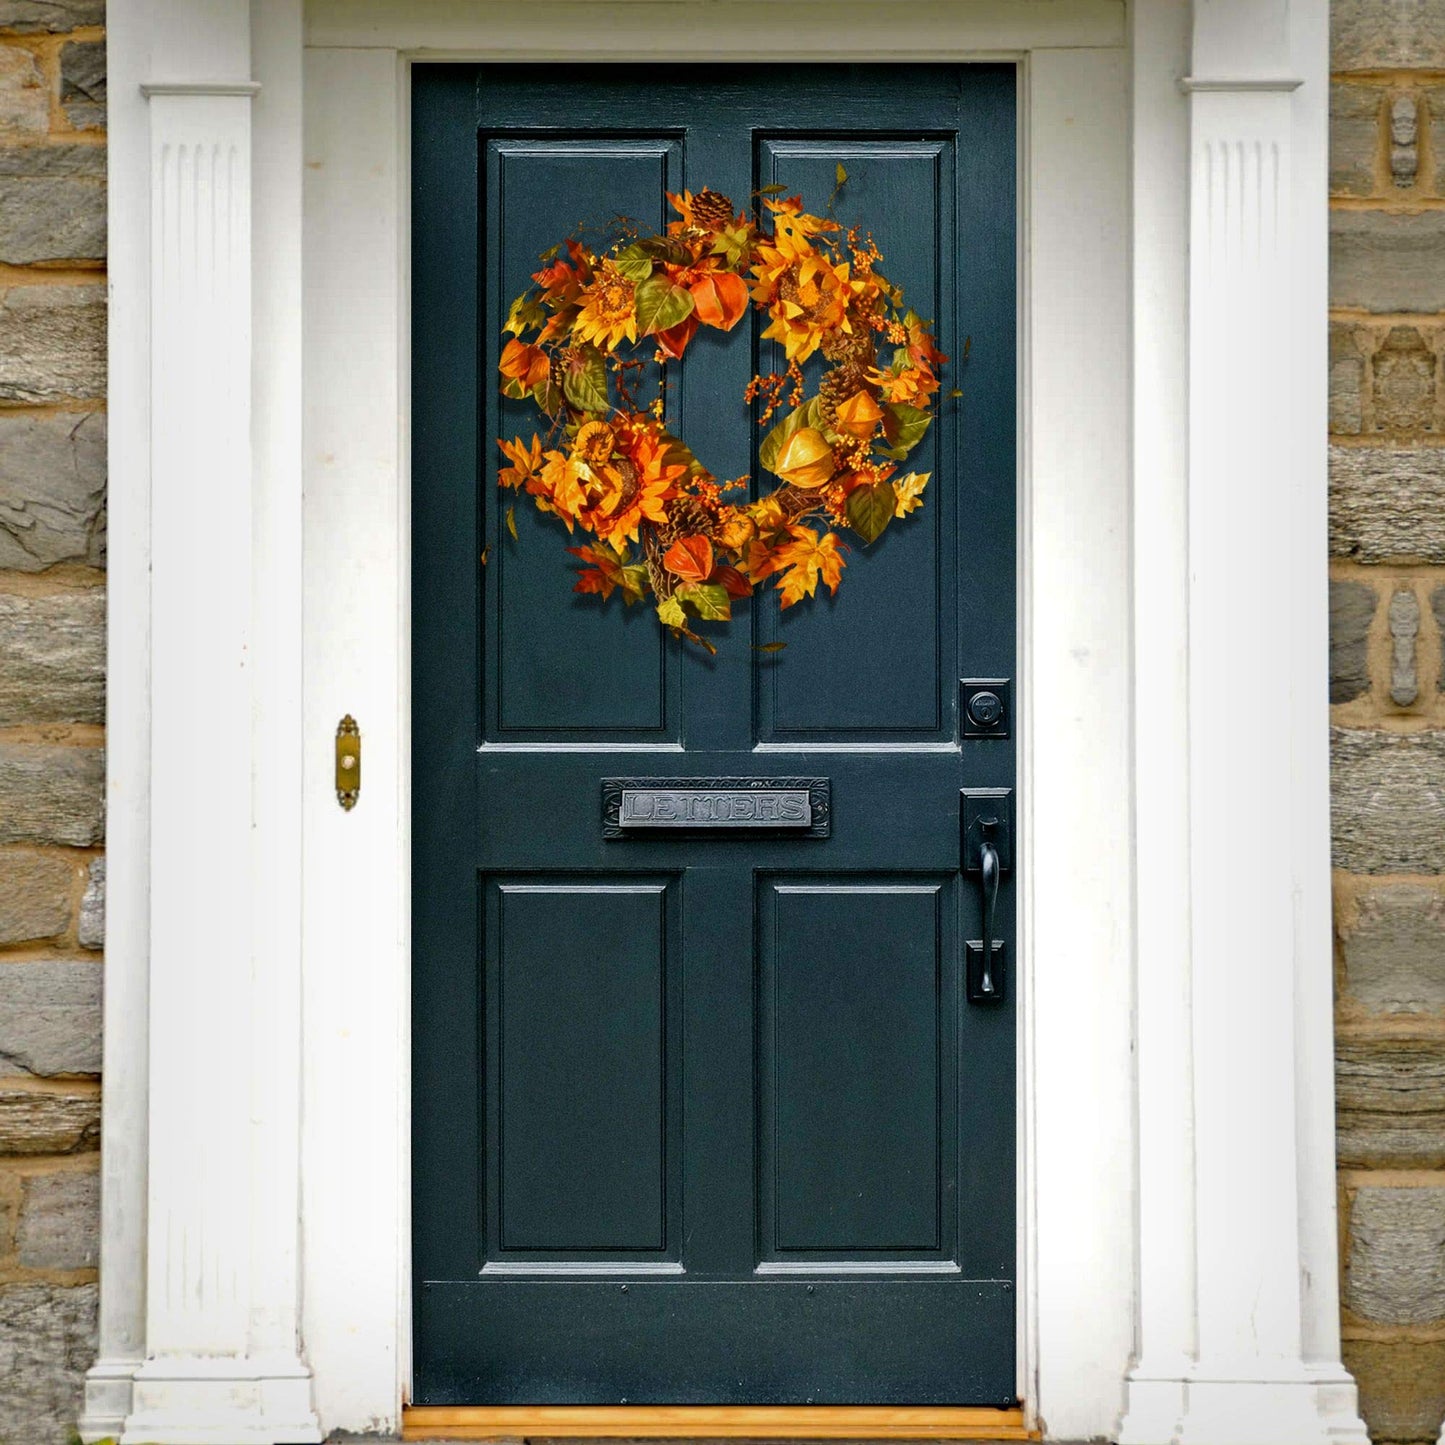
<point x="52" y="702"/>
<point x="1387" y="690"/>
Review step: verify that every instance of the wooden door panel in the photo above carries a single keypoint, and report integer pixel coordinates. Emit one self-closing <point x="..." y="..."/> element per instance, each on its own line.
<point x="870" y="662"/>
<point x="808" y="1341"/>
<point x="856" y="1038"/>
<point x="558" y="667"/>
<point x="580" y="976"/>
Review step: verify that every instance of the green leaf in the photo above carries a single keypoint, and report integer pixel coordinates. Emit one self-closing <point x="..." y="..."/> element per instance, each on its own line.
<point x="660" y="305"/>
<point x="665" y="248"/>
<point x="670" y="613"/>
<point x="586" y="385"/>
<point x="773" y="190"/>
<point x="870" y="509"/>
<point x="525" y="314"/>
<point x="634" y="263"/>
<point x="904" y="428"/>
<point x="806" y="415"/>
<point x="708" y="599"/>
<point x="512" y="521"/>
<point x="548" y="396"/>
<point x="841" y="174"/>
<point x="730" y="243"/>
<point x="634" y="583"/>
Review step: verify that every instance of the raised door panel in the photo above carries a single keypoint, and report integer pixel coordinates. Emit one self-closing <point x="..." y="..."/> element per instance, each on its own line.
<point x="583" y="1068"/>
<point x="856" y="1086"/>
<point x="867" y="665"/>
<point x="557" y="666"/>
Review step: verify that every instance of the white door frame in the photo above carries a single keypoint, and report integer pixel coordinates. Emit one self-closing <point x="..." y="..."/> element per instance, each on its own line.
<point x="1177" y="1248"/>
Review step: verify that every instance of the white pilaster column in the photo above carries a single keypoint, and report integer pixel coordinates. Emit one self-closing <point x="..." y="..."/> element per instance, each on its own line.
<point x="214" y="1057"/>
<point x="1253" y="1355"/>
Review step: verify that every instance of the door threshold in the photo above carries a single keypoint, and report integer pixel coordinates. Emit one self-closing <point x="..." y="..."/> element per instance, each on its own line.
<point x="768" y="1422"/>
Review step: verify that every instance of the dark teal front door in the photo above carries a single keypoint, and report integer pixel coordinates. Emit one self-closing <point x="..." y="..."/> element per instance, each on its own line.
<point x="699" y="1118"/>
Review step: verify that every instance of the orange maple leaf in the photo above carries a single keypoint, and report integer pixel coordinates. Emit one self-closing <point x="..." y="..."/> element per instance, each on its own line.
<point x="525" y="460"/>
<point x="808" y="559"/>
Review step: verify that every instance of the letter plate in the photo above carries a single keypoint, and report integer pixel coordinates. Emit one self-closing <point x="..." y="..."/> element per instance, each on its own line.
<point x="635" y="807"/>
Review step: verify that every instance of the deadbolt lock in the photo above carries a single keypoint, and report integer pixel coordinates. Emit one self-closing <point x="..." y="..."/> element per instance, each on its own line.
<point x="986" y="708"/>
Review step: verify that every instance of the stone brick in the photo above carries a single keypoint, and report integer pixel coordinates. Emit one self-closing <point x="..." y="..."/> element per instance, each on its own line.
<point x="52" y="490"/>
<point x="1394" y="951"/>
<point x="52" y="204"/>
<point x="1396" y="1267"/>
<point x="92" y="907"/>
<point x="35" y="890"/>
<point x="82" y="83"/>
<point x="1433" y="122"/>
<point x="1347" y="381"/>
<point x="52" y="658"/>
<point x="1404" y="140"/>
<point x="34" y="1123"/>
<point x="28" y="16"/>
<point x="1352" y="610"/>
<point x="1437" y="610"/>
<point x="60" y="1221"/>
<point x="1390" y="1097"/>
<point x="52" y="343"/>
<point x="51" y="794"/>
<point x="50" y="1017"/>
<point x="47" y="1343"/>
<point x="1387" y="35"/>
<point x="1404" y="629"/>
<point x="1403" y="394"/>
<point x="1402" y="1387"/>
<point x="1386" y="261"/>
<point x="1354" y="138"/>
<point x="1388" y="792"/>
<point x="24" y="100"/>
<point x="1387" y="504"/>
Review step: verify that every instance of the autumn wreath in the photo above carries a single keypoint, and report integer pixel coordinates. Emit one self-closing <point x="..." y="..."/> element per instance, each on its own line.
<point x="584" y="337"/>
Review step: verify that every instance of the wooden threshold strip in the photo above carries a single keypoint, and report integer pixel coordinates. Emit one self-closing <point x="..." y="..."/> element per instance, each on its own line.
<point x="769" y="1422"/>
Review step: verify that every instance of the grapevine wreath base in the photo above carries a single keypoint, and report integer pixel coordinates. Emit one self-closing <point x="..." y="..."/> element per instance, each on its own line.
<point x="583" y="340"/>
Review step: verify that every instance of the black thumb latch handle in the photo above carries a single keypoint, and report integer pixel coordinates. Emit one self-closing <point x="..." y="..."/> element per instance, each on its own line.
<point x="988" y="876"/>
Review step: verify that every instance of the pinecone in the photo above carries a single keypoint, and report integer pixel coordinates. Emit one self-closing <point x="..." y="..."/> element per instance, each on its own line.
<point x="556" y="371"/>
<point x="854" y="346"/>
<point x="711" y="210"/>
<point x="838" y="384"/>
<point x="687" y="517"/>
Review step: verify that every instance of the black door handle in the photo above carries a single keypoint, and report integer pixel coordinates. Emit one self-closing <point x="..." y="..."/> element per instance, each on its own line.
<point x="985" y="848"/>
<point x="988" y="876"/>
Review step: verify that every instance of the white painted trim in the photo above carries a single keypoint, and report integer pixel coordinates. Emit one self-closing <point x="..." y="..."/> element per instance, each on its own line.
<point x="199" y="1331"/>
<point x="121" y="1325"/>
<point x="1239" y="1331"/>
<point x="200" y="87"/>
<point x="1192" y="83"/>
<point x="737" y="30"/>
<point x="1073" y="137"/>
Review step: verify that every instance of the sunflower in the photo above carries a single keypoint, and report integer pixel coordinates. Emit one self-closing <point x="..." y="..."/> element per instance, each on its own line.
<point x="650" y="479"/>
<point x="594" y="443"/>
<point x="609" y="309"/>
